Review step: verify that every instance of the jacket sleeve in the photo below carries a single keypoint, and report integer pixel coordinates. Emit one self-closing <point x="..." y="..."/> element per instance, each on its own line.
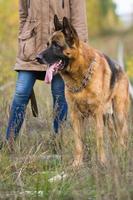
<point x="78" y="18"/>
<point x="23" y="13"/>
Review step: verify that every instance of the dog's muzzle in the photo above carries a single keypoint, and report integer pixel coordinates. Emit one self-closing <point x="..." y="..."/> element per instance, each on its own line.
<point x="40" y="59"/>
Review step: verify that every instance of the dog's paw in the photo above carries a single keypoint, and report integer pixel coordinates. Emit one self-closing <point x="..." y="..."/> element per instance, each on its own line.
<point x="123" y="143"/>
<point x="103" y="160"/>
<point x="77" y="163"/>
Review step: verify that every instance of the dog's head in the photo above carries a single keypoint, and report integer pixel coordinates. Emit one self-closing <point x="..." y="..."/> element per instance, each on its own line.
<point x="62" y="46"/>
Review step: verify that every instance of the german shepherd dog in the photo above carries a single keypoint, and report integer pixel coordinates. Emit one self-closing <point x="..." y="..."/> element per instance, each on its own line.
<point x="95" y="85"/>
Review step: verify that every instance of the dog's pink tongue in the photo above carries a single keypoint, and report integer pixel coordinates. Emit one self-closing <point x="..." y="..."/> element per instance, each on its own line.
<point x="51" y="71"/>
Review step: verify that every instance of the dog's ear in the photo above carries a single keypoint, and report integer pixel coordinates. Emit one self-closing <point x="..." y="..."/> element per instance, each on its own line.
<point x="70" y="32"/>
<point x="57" y="23"/>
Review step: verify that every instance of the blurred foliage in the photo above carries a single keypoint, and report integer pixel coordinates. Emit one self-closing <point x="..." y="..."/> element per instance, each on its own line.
<point x="102" y="19"/>
<point x="101" y="15"/>
<point x="129" y="65"/>
<point x="9" y="20"/>
<point x="8" y="35"/>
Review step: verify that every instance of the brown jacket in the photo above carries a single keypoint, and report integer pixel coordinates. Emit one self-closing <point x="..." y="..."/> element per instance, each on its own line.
<point x="36" y="25"/>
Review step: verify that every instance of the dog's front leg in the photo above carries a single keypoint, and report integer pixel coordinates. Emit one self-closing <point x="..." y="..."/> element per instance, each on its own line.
<point x="99" y="138"/>
<point x="77" y="122"/>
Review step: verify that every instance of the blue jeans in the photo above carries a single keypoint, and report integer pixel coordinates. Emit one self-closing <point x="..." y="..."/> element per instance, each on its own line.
<point x="24" y="86"/>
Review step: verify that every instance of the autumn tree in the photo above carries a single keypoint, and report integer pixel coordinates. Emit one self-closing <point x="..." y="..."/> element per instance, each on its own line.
<point x="101" y="16"/>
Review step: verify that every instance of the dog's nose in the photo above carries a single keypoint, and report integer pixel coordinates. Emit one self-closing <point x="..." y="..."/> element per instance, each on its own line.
<point x="39" y="58"/>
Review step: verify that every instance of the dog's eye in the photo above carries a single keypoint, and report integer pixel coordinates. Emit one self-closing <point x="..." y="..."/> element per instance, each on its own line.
<point x="55" y="44"/>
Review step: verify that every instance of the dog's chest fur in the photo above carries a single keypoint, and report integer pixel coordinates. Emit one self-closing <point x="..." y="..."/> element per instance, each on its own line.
<point x="85" y="102"/>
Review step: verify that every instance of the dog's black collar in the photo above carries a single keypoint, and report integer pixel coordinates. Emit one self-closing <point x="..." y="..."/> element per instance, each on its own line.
<point x="85" y="80"/>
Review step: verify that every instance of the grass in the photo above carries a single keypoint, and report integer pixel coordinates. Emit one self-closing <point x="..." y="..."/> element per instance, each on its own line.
<point x="25" y="173"/>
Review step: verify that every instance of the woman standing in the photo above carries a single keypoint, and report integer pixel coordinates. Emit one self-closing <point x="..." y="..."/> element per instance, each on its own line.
<point x="36" y="25"/>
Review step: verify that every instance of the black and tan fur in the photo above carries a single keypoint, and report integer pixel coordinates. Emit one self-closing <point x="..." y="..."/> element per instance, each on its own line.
<point x="106" y="88"/>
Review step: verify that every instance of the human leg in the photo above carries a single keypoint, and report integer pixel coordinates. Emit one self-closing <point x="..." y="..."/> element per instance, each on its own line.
<point x="59" y="102"/>
<point x="24" y="86"/>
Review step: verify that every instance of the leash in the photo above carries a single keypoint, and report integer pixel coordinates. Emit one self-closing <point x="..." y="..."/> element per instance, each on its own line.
<point x="63" y="4"/>
<point x="34" y="104"/>
<point x="85" y="81"/>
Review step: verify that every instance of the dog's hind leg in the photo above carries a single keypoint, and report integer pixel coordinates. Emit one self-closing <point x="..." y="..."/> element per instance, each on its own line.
<point x="121" y="122"/>
<point x="121" y="107"/>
